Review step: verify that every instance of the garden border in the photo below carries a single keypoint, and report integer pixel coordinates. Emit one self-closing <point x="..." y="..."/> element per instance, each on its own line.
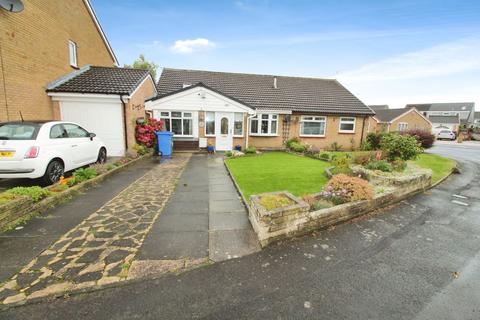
<point x="24" y="208"/>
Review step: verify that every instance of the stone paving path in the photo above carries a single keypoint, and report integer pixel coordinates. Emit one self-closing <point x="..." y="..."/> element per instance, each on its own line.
<point x="101" y="249"/>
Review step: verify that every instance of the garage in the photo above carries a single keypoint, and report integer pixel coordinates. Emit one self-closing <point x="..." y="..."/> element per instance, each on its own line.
<point x="111" y="131"/>
<point x="104" y="100"/>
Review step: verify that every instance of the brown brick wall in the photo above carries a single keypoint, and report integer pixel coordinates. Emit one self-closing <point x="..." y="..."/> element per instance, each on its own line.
<point x="414" y="120"/>
<point x="135" y="108"/>
<point x="34" y="45"/>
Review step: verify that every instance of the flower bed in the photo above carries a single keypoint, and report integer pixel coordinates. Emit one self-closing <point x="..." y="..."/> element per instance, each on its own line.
<point x="21" y="203"/>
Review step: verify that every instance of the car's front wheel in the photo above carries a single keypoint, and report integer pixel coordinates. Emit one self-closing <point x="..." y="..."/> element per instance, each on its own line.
<point x="55" y="170"/>
<point x="102" y="156"/>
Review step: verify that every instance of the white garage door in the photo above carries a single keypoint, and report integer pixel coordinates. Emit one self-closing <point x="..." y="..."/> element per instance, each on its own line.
<point x="104" y="119"/>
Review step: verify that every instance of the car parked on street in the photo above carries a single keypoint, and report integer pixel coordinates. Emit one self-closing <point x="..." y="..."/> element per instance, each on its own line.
<point x="446" y="134"/>
<point x="46" y="149"/>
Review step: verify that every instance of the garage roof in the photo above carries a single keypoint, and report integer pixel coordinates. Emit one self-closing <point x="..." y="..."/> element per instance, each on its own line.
<point x="258" y="91"/>
<point x="100" y="80"/>
<point x="444" y="119"/>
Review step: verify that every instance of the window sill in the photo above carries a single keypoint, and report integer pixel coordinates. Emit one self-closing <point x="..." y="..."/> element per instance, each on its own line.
<point x="347" y="132"/>
<point x="263" y="135"/>
<point x="238" y="136"/>
<point x="311" y="136"/>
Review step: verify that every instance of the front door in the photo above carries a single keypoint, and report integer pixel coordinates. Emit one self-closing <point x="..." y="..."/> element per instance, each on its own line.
<point x="224" y="130"/>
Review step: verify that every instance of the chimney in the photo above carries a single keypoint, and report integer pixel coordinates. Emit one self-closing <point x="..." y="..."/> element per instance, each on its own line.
<point x="275" y="83"/>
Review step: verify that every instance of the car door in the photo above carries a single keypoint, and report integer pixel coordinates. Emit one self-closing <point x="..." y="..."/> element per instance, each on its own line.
<point x="58" y="145"/>
<point x="81" y="146"/>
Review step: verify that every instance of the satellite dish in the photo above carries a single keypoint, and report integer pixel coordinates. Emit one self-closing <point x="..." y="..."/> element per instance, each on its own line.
<point x="12" y="5"/>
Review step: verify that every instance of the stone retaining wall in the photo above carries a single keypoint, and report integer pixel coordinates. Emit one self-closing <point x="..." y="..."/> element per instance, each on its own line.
<point x="283" y="223"/>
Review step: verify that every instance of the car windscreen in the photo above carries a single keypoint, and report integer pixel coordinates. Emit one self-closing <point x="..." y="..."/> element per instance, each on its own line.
<point x="19" y="131"/>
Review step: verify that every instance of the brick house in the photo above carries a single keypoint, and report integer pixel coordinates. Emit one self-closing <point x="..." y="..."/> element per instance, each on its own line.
<point x="394" y="120"/>
<point x="233" y="109"/>
<point x="50" y="43"/>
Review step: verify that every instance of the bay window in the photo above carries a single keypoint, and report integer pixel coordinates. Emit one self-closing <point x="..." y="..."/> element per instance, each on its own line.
<point x="209" y="123"/>
<point x="347" y="124"/>
<point x="312" y="126"/>
<point x="238" y="124"/>
<point x="264" y="124"/>
<point x="178" y="122"/>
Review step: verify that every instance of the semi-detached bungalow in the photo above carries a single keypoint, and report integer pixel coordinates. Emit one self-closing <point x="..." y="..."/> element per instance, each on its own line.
<point x="263" y="111"/>
<point x="395" y="120"/>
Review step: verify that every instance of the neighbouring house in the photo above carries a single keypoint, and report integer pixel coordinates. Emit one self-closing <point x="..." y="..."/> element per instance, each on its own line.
<point x="47" y="54"/>
<point x="263" y="111"/>
<point x="445" y="122"/>
<point x="106" y="100"/>
<point x="395" y="120"/>
<point x="464" y="110"/>
<point x="476" y="121"/>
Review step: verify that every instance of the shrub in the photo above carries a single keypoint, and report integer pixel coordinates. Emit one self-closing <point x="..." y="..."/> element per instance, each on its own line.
<point x="317" y="203"/>
<point x="289" y="142"/>
<point x="351" y="188"/>
<point x="145" y="132"/>
<point x="425" y="138"/>
<point x="381" y="165"/>
<point x="250" y="150"/>
<point x="335" y="147"/>
<point x="396" y="146"/>
<point x="84" y="174"/>
<point x="372" y="140"/>
<point x="363" y="158"/>
<point x="342" y="169"/>
<point x="110" y="166"/>
<point x="298" y="147"/>
<point x="36" y="193"/>
<point x="228" y="154"/>
<point x="399" y="165"/>
<point x="341" y="165"/>
<point x="141" y="149"/>
<point x="325" y="155"/>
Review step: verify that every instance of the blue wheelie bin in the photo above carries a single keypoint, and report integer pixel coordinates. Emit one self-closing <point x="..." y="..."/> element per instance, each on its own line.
<point x="165" y="143"/>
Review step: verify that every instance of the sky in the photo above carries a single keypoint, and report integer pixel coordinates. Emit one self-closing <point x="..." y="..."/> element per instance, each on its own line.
<point x="385" y="52"/>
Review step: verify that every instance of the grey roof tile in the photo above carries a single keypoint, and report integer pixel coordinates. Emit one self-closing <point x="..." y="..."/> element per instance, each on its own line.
<point x="102" y="80"/>
<point x="444" y="119"/>
<point x="388" y="115"/>
<point x="376" y="107"/>
<point x="447" y="106"/>
<point x="257" y="91"/>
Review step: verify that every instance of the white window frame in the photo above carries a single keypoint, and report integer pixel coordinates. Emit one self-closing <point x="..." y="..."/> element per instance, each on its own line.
<point x="72" y="53"/>
<point x="234" y="121"/>
<point x="182" y="117"/>
<point x="342" y="121"/>
<point x="270" y="119"/>
<point x="205" y="125"/>
<point x="315" y="119"/>
<point x="401" y="124"/>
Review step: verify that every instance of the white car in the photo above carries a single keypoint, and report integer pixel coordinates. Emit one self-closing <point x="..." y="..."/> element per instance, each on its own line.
<point x="446" y="134"/>
<point x="46" y="149"/>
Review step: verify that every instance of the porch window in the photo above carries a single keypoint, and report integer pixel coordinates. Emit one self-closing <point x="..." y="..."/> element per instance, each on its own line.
<point x="347" y="125"/>
<point x="264" y="125"/>
<point x="238" y="126"/>
<point x="209" y="123"/>
<point x="312" y="126"/>
<point x="178" y="122"/>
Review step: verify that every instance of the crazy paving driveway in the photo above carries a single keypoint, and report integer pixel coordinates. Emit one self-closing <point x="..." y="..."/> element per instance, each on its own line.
<point x="164" y="221"/>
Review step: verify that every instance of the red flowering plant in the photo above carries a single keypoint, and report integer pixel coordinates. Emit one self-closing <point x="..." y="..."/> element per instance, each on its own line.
<point x="145" y="132"/>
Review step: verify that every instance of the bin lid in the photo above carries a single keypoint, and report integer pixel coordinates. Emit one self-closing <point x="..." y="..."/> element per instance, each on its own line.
<point x="164" y="133"/>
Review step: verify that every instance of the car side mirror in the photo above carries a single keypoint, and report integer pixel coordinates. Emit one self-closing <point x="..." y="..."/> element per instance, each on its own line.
<point x="91" y="135"/>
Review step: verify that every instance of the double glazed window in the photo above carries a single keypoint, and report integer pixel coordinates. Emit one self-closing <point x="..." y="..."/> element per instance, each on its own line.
<point x="312" y="126"/>
<point x="72" y="53"/>
<point x="209" y="123"/>
<point x="402" y="126"/>
<point x="264" y="124"/>
<point x="178" y="122"/>
<point x="238" y="125"/>
<point x="347" y="125"/>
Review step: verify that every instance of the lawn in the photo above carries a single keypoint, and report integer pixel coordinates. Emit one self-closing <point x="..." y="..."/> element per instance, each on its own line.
<point x="440" y="166"/>
<point x="277" y="171"/>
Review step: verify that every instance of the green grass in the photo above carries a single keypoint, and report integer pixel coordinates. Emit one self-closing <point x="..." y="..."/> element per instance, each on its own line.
<point x="278" y="171"/>
<point x="440" y="166"/>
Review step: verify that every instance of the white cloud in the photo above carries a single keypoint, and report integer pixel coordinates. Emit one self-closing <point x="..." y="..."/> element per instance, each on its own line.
<point x="444" y="59"/>
<point x="191" y="45"/>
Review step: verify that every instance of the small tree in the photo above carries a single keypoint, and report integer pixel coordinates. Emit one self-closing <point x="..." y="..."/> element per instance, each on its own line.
<point x="396" y="147"/>
<point x="142" y="63"/>
<point x="425" y="138"/>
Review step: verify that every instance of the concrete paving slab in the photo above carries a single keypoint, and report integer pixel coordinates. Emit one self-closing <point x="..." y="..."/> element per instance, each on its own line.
<point x="175" y="245"/>
<point x="223" y="188"/>
<point x="225" y="206"/>
<point x="229" y="221"/>
<point x="224" y="195"/>
<point x="186" y="208"/>
<point x="192" y="222"/>
<point x="225" y="245"/>
<point x="196" y="196"/>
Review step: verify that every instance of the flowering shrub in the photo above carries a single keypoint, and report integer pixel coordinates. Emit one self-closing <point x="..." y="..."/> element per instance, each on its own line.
<point x="317" y="203"/>
<point x="145" y="133"/>
<point x="349" y="188"/>
<point x="425" y="138"/>
<point x="334" y="196"/>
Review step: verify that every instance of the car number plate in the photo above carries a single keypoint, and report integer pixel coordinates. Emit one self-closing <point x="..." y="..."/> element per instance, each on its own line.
<point x="6" y="154"/>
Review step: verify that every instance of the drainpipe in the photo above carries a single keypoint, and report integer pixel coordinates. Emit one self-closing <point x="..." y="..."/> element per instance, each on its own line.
<point x="363" y="129"/>
<point x="248" y="129"/>
<point x="124" y="112"/>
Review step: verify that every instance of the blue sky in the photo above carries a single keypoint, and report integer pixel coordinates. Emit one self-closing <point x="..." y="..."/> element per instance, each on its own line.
<point x="392" y="52"/>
